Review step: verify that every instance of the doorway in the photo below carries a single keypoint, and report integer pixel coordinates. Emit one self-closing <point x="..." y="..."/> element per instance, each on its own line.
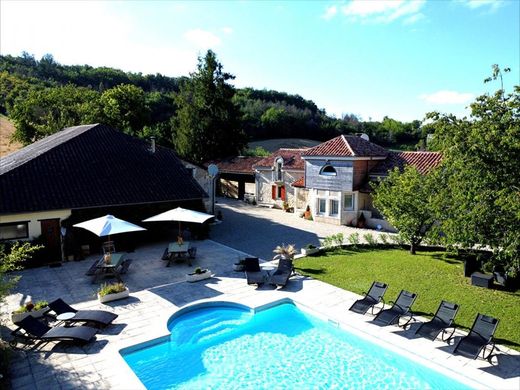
<point x="51" y="239"/>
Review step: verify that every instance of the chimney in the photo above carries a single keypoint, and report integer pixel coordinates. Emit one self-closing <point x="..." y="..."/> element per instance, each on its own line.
<point x="152" y="144"/>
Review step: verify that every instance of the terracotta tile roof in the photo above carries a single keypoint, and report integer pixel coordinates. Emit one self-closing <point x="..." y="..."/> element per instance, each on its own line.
<point x="423" y="161"/>
<point x="299" y="182"/>
<point x="240" y="164"/>
<point x="92" y="166"/>
<point x="347" y="146"/>
<point x="292" y="159"/>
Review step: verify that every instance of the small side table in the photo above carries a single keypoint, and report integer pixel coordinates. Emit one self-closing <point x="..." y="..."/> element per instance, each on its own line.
<point x="65" y="317"/>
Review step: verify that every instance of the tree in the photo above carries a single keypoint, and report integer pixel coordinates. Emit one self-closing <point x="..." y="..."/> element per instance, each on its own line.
<point x="480" y="205"/>
<point x="10" y="261"/>
<point x="125" y="109"/>
<point x="43" y="112"/>
<point x="206" y="124"/>
<point x="405" y="201"/>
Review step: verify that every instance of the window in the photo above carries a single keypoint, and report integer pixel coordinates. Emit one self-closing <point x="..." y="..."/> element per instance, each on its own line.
<point x="278" y="168"/>
<point x="348" y="202"/>
<point x="322" y="204"/>
<point x="278" y="192"/>
<point x="328" y="170"/>
<point x="334" y="207"/>
<point x="14" y="230"/>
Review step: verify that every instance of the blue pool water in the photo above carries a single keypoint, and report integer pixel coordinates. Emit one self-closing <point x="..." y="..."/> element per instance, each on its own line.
<point x="229" y="347"/>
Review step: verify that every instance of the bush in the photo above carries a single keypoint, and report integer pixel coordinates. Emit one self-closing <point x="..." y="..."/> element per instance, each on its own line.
<point x="398" y="240"/>
<point x="335" y="240"/>
<point x="353" y="239"/>
<point x="370" y="239"/>
<point x="29" y="306"/>
<point x="111" y="288"/>
<point x="384" y="238"/>
<point x="338" y="239"/>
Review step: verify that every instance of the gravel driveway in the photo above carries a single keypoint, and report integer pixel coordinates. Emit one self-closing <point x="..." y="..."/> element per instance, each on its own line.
<point x="258" y="230"/>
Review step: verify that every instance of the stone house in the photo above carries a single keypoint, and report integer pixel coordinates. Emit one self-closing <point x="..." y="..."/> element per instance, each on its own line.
<point x="274" y="176"/>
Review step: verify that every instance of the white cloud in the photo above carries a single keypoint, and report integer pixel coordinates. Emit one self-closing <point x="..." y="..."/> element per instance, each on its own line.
<point x="227" y="30"/>
<point x="64" y="30"/>
<point x="492" y="5"/>
<point x="202" y="39"/>
<point x="447" y="97"/>
<point x="330" y="12"/>
<point x="384" y="11"/>
<point x="414" y="18"/>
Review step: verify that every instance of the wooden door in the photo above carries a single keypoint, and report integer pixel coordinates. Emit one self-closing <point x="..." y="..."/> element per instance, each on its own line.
<point x="51" y="238"/>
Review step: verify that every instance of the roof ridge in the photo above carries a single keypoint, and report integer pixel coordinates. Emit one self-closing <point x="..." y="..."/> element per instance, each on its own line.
<point x="348" y="145"/>
<point x="42" y="146"/>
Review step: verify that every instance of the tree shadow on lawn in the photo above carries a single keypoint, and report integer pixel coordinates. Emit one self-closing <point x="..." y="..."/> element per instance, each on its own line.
<point x="311" y="271"/>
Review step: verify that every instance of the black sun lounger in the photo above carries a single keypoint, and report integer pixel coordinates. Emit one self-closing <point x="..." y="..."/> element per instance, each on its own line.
<point x="254" y="274"/>
<point x="371" y="299"/>
<point x="97" y="317"/>
<point x="442" y="321"/>
<point x="282" y="273"/>
<point x="479" y="337"/>
<point x="36" y="330"/>
<point x="400" y="308"/>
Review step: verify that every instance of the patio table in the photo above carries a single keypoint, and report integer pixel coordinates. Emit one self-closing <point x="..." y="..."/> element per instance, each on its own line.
<point x="109" y="269"/>
<point x="177" y="251"/>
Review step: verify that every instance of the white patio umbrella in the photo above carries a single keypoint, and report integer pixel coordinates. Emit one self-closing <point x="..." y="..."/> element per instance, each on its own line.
<point x="107" y="225"/>
<point x="181" y="215"/>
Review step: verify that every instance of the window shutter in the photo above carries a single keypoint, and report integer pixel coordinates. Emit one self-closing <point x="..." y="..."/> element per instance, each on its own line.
<point x="273" y="192"/>
<point x="283" y="193"/>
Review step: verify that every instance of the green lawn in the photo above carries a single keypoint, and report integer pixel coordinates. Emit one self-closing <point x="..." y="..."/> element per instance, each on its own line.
<point x="432" y="275"/>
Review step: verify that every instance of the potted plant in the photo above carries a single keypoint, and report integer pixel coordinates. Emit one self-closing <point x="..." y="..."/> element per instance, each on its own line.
<point x="112" y="291"/>
<point x="309" y="249"/>
<point x="35" y="310"/>
<point x="285" y="251"/>
<point x="240" y="265"/>
<point x="198" y="274"/>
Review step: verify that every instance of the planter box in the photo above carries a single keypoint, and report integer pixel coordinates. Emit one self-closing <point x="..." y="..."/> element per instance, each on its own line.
<point x="196" y="277"/>
<point x="114" y="297"/>
<point x="307" y="252"/>
<point x="17" y="317"/>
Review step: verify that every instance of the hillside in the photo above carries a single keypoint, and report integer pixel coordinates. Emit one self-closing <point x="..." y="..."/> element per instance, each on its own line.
<point x="6" y="130"/>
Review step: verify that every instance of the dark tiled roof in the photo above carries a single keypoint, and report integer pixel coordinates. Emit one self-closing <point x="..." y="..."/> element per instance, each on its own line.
<point x="240" y="164"/>
<point x="91" y="166"/>
<point x="423" y="161"/>
<point x="347" y="146"/>
<point x="292" y="159"/>
<point x="300" y="183"/>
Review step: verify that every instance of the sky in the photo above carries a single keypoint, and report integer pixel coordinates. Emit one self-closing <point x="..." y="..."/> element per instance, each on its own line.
<point x="370" y="58"/>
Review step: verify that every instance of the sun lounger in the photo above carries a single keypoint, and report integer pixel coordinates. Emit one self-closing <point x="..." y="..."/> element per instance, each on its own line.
<point x="371" y="299"/>
<point x="97" y="317"/>
<point x="442" y="321"/>
<point x="479" y="338"/>
<point x="281" y="276"/>
<point x="254" y="274"/>
<point x="400" y="308"/>
<point x="31" y="329"/>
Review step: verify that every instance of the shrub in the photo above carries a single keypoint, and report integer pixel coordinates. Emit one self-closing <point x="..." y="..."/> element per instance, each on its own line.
<point x="383" y="238"/>
<point x="370" y="239"/>
<point x="338" y="239"/>
<point x="111" y="288"/>
<point x="29" y="306"/>
<point x="397" y="239"/>
<point x="354" y="239"/>
<point x="286" y="250"/>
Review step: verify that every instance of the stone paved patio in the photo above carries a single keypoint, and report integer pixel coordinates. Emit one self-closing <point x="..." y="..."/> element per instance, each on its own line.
<point x="157" y="292"/>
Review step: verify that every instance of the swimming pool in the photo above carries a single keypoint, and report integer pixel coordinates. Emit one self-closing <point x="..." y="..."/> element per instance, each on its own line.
<point x="230" y="346"/>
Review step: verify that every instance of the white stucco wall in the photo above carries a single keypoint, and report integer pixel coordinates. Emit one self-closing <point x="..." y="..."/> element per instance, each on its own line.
<point x="34" y="220"/>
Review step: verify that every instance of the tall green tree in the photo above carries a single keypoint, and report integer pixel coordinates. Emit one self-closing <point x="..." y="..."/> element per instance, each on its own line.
<point x="480" y="205"/>
<point x="206" y="124"/>
<point x="405" y="200"/>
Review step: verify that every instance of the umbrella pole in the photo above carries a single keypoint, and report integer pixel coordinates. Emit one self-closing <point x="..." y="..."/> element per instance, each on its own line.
<point x="179" y="228"/>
